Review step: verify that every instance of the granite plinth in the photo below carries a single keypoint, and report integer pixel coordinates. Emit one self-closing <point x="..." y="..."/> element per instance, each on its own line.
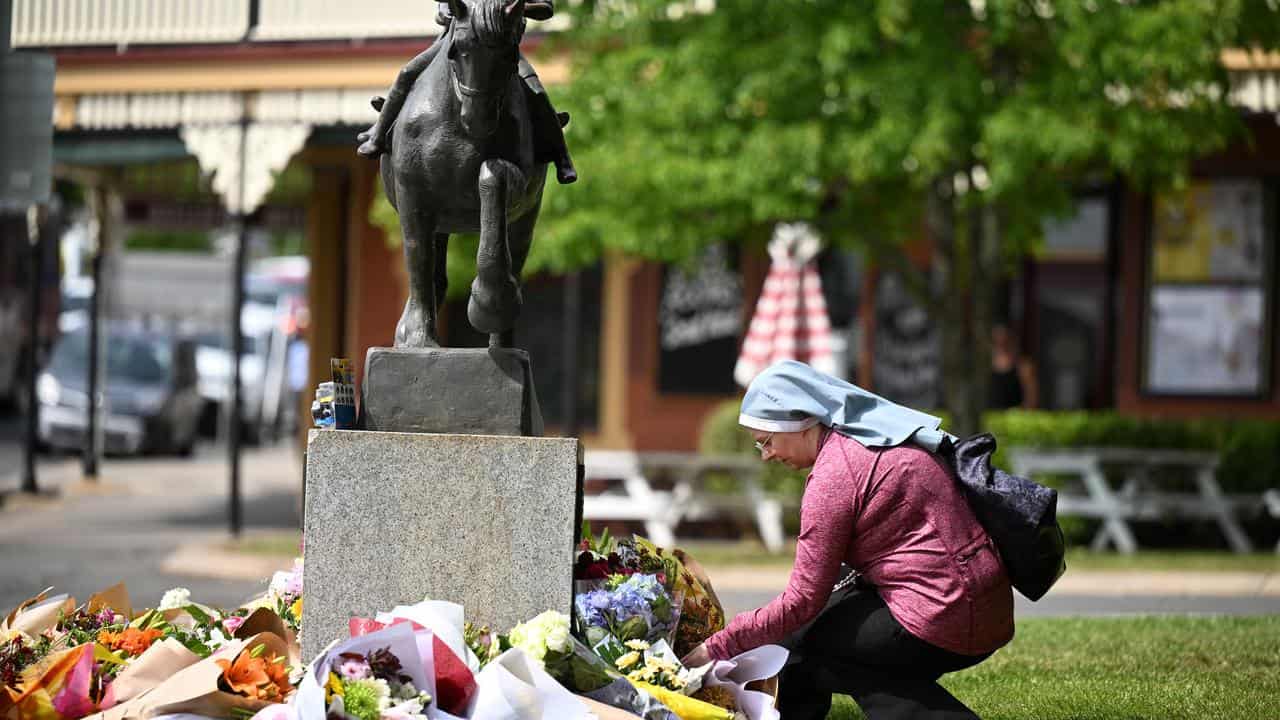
<point x="393" y="518"/>
<point x="470" y="391"/>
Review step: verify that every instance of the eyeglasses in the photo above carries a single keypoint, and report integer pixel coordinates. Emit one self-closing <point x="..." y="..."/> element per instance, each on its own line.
<point x="760" y="446"/>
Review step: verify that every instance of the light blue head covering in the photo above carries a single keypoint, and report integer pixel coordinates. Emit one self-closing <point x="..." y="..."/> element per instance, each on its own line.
<point x="790" y="396"/>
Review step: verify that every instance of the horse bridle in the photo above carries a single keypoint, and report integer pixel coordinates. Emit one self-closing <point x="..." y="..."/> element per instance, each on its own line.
<point x="475" y="92"/>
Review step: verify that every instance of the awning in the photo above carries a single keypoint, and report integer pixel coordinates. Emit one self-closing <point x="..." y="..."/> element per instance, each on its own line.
<point x="122" y="111"/>
<point x="131" y="150"/>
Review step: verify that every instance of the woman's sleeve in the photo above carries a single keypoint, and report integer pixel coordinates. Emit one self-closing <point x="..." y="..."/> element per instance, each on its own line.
<point x="827" y="515"/>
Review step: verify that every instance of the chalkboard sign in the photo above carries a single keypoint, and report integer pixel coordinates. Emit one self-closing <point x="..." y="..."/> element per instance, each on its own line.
<point x="908" y="347"/>
<point x="700" y="324"/>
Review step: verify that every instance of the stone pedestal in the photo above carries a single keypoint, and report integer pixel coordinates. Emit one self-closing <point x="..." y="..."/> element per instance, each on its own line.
<point x="450" y="390"/>
<point x="393" y="518"/>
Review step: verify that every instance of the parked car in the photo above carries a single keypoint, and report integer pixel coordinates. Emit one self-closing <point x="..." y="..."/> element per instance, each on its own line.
<point x="77" y="295"/>
<point x="213" y="368"/>
<point x="281" y="282"/>
<point x="151" y="402"/>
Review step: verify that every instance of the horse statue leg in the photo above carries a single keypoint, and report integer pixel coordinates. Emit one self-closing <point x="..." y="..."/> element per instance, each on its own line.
<point x="495" y="293"/>
<point x="417" y="326"/>
<point x="519" y="239"/>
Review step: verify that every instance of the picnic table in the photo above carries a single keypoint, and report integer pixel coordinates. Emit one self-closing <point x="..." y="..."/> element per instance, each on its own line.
<point x="1141" y="494"/>
<point x="663" y="489"/>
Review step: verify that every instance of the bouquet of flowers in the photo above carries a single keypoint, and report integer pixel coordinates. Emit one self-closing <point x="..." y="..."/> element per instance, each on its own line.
<point x="60" y="660"/>
<point x="701" y="614"/>
<point x="373" y="686"/>
<point x="622" y="608"/>
<point x="284" y="595"/>
<point x="720" y="690"/>
<point x="656" y="670"/>
<point x="602" y="557"/>
<point x="546" y="640"/>
<point x="256" y="673"/>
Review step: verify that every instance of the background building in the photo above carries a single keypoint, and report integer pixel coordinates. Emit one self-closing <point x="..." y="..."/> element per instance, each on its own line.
<point x="1146" y="304"/>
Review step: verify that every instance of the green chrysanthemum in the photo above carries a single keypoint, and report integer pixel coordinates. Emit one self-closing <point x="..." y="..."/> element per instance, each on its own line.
<point x="361" y="700"/>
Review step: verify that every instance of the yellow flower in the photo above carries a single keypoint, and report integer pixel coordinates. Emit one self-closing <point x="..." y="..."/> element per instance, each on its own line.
<point x="637" y="644"/>
<point x="335" y="684"/>
<point x="296" y="608"/>
<point x="627" y="660"/>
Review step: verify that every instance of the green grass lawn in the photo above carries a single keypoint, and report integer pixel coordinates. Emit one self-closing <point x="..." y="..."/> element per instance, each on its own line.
<point x="1124" y="669"/>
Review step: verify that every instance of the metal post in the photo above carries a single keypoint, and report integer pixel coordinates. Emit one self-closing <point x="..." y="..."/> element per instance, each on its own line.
<point x="237" y="340"/>
<point x="29" y="484"/>
<point x="570" y="353"/>
<point x="92" y="452"/>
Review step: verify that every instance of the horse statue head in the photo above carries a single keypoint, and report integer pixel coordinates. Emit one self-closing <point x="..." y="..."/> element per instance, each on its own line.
<point x="484" y="50"/>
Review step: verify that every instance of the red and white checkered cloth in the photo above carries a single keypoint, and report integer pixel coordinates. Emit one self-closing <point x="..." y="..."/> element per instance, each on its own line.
<point x="790" y="322"/>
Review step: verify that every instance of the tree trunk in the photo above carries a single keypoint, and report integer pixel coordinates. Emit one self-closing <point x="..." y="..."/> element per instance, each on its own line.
<point x="948" y="271"/>
<point x="966" y="271"/>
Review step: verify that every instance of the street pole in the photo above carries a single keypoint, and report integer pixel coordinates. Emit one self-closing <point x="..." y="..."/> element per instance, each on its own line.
<point x="570" y="353"/>
<point x="29" y="484"/>
<point x="92" y="453"/>
<point x="237" y="338"/>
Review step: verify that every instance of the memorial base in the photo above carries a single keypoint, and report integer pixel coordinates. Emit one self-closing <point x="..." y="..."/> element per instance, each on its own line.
<point x="395" y="518"/>
<point x="473" y="391"/>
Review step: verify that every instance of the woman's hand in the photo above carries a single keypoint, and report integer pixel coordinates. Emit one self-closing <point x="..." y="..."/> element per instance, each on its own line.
<point x="697" y="657"/>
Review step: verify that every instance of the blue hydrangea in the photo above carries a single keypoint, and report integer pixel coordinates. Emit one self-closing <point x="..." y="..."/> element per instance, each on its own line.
<point x="634" y="597"/>
<point x="592" y="606"/>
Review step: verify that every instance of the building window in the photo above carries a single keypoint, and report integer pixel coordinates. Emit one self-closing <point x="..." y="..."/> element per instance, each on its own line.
<point x="1209" y="296"/>
<point x="1068" y="308"/>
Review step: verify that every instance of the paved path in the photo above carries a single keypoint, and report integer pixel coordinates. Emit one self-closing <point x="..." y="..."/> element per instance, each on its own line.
<point x="128" y="525"/>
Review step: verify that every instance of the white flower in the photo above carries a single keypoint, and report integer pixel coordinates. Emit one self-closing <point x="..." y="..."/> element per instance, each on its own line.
<point x="546" y="632"/>
<point x="175" y="598"/>
<point x="558" y="639"/>
<point x="384" y="692"/>
<point x="411" y="710"/>
<point x="216" y="639"/>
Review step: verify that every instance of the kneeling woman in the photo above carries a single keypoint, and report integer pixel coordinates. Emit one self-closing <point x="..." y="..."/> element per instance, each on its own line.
<point x="931" y="597"/>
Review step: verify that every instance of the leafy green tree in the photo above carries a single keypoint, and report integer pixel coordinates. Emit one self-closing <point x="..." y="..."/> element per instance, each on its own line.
<point x="884" y="122"/>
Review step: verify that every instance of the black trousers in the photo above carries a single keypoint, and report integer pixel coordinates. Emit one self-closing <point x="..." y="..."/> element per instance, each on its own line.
<point x="856" y="647"/>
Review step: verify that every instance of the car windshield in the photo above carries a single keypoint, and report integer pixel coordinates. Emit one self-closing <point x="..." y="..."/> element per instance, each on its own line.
<point x="134" y="358"/>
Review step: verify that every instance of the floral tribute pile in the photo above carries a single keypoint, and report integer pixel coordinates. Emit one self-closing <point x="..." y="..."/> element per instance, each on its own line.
<point x="637" y="610"/>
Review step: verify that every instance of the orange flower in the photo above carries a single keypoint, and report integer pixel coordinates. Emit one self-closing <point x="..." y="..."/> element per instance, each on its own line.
<point x="246" y="675"/>
<point x="278" y="671"/>
<point x="135" y="641"/>
<point x="108" y="638"/>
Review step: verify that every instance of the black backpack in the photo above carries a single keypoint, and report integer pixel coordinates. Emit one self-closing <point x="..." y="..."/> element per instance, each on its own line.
<point x="1020" y="515"/>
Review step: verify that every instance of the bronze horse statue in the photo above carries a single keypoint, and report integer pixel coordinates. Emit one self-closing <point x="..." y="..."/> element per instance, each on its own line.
<point x="462" y="159"/>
